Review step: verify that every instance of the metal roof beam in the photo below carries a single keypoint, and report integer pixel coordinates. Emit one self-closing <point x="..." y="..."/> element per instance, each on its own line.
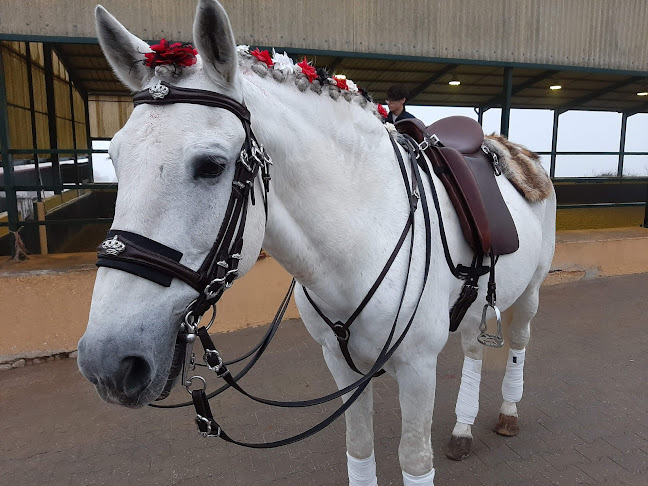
<point x="428" y="82"/>
<point x="498" y="100"/>
<point x="597" y="94"/>
<point x="637" y="109"/>
<point x="334" y="65"/>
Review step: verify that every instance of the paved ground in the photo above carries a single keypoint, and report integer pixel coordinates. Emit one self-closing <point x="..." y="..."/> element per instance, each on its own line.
<point x="584" y="415"/>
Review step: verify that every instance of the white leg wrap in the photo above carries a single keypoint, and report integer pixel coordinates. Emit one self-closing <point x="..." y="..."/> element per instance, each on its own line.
<point x="362" y="472"/>
<point x="425" y="480"/>
<point x="513" y="382"/>
<point x="468" y="399"/>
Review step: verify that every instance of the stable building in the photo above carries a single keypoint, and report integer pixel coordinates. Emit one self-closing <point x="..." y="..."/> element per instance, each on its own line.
<point x="58" y="94"/>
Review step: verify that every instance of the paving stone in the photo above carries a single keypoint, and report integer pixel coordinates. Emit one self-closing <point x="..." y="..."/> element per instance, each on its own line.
<point x="570" y="476"/>
<point x="561" y="460"/>
<point x="633" y="461"/>
<point x="597" y="449"/>
<point x="582" y="419"/>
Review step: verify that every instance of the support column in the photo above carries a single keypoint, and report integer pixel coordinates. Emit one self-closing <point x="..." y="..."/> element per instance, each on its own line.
<point x="622" y="142"/>
<point x="77" y="176"/>
<point x="51" y="116"/>
<point x="480" y="115"/>
<point x="7" y="162"/>
<point x="554" y="144"/>
<point x="32" y="114"/>
<point x="86" y="106"/>
<point x="506" y="105"/>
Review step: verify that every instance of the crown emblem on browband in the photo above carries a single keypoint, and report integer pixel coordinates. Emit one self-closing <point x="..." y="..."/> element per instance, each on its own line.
<point x="159" y="91"/>
<point x="113" y="246"/>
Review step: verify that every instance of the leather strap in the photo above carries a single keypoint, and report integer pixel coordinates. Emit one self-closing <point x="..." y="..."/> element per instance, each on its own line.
<point x="220" y="267"/>
<point x="205" y="420"/>
<point x="203" y="97"/>
<point x="342" y="329"/>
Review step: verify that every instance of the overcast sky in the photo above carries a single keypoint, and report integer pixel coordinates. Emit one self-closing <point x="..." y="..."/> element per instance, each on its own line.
<point x="577" y="131"/>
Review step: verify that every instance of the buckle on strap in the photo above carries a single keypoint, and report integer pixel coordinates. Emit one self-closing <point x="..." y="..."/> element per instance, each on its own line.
<point x="429" y="141"/>
<point x="205" y="427"/>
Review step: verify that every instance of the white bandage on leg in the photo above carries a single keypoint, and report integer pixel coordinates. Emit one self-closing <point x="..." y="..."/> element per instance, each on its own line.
<point x="513" y="382"/>
<point x="468" y="399"/>
<point x="425" y="480"/>
<point x="362" y="472"/>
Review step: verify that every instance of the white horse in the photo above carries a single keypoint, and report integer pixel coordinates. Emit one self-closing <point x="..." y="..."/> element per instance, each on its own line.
<point x="336" y="207"/>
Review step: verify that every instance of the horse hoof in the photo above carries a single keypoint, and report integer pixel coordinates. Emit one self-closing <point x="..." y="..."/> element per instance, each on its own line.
<point x="507" y="425"/>
<point x="458" y="448"/>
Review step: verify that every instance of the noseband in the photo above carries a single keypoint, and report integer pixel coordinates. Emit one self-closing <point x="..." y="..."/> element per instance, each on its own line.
<point x="158" y="263"/>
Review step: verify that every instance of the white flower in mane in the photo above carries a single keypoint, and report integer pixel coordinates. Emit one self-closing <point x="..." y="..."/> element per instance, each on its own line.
<point x="283" y="62"/>
<point x="243" y="49"/>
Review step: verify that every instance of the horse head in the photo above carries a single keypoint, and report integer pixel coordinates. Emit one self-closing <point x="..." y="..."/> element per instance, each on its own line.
<point x="176" y="166"/>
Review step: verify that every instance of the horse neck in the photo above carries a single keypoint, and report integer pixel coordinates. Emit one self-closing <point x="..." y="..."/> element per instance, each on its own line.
<point x="336" y="192"/>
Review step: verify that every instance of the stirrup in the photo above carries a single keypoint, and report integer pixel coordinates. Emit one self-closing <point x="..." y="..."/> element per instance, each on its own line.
<point x="491" y="340"/>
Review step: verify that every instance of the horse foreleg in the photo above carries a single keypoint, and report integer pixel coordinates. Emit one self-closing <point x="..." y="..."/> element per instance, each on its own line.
<point x="416" y="386"/>
<point x="524" y="309"/>
<point x="361" y="462"/>
<point x="467" y="406"/>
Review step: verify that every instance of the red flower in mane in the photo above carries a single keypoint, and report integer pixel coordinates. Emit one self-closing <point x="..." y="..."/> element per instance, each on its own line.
<point x="382" y="111"/>
<point x="341" y="82"/>
<point x="308" y="70"/>
<point x="263" y="56"/>
<point x="177" y="53"/>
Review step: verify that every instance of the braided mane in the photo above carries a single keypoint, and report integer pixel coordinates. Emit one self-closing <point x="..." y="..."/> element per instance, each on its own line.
<point x="284" y="70"/>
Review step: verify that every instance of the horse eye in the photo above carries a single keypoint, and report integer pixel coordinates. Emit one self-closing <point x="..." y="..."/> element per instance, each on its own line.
<point x="209" y="168"/>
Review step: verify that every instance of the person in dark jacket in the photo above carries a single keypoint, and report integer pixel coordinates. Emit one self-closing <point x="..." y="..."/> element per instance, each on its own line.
<point x="396" y="99"/>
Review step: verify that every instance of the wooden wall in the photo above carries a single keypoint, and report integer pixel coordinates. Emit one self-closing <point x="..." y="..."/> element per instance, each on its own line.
<point x="19" y="111"/>
<point x="108" y="114"/>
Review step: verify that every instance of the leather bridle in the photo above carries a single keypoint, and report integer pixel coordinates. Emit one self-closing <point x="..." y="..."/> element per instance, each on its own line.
<point x="144" y="257"/>
<point x="154" y="261"/>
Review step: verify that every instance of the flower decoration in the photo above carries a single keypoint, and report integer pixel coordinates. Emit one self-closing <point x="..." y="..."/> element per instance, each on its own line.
<point x="263" y="56"/>
<point x="308" y="70"/>
<point x="322" y="76"/>
<point x="382" y="111"/>
<point x="283" y="62"/>
<point x="163" y="54"/>
<point x="243" y="49"/>
<point x="341" y="81"/>
<point x="351" y="86"/>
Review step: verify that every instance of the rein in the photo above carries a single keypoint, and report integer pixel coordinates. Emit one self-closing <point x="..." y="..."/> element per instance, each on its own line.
<point x="156" y="262"/>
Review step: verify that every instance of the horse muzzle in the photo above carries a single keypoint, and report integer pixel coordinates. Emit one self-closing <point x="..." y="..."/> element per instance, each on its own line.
<point x="129" y="379"/>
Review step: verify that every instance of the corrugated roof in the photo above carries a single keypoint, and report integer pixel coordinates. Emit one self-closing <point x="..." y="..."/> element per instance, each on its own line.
<point x="481" y="85"/>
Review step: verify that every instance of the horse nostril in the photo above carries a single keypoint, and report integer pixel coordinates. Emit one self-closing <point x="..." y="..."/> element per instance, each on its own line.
<point x="134" y="373"/>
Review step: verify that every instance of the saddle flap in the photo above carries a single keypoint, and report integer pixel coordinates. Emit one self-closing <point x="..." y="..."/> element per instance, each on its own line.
<point x="483" y="215"/>
<point x="458" y="132"/>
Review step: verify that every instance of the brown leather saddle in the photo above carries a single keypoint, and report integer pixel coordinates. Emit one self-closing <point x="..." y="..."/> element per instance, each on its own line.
<point x="468" y="174"/>
<point x="454" y="146"/>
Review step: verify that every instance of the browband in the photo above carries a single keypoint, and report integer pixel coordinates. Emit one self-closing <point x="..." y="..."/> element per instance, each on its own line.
<point x="164" y="93"/>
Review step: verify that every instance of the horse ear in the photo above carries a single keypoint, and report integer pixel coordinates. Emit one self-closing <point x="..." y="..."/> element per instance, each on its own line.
<point x="215" y="42"/>
<point x="124" y="51"/>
